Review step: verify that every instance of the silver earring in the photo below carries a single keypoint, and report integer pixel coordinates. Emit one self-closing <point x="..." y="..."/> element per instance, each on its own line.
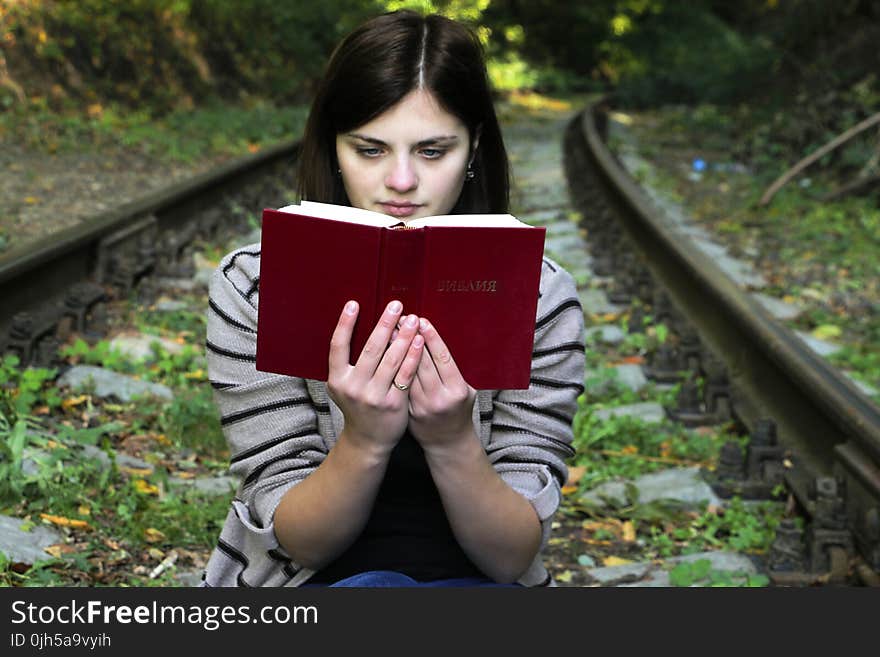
<point x="470" y="174"/>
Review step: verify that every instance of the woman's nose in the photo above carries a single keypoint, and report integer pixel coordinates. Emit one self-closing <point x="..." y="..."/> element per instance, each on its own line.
<point x="402" y="178"/>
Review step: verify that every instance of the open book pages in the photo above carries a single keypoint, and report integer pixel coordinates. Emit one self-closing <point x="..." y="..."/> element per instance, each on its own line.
<point x="370" y="218"/>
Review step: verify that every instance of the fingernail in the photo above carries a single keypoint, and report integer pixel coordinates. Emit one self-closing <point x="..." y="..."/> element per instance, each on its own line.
<point x="411" y="321"/>
<point x="395" y="307"/>
<point x="418" y="341"/>
<point x="424" y="324"/>
<point x="351" y="307"/>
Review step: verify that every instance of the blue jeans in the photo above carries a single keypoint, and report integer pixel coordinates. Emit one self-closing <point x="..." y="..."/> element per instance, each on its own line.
<point x="389" y="578"/>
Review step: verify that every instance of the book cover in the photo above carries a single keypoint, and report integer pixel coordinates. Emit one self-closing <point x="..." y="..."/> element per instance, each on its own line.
<point x="475" y="277"/>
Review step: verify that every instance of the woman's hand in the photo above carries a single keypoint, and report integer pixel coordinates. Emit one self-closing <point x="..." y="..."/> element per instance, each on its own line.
<point x="376" y="411"/>
<point x="440" y="400"/>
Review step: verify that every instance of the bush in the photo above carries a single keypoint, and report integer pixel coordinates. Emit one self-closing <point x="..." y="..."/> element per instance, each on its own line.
<point x="164" y="54"/>
<point x="685" y="55"/>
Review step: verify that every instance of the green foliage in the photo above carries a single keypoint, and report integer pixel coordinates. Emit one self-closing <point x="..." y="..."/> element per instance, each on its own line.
<point x="274" y="48"/>
<point x="191" y="420"/>
<point x="182" y="135"/>
<point x="166" y="54"/>
<point x="22" y="389"/>
<point x="626" y="447"/>
<point x="135" y="52"/>
<point x="683" y="53"/>
<point x="701" y="573"/>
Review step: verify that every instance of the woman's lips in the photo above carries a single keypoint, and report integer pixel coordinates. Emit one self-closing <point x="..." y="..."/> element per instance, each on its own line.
<point x="399" y="209"/>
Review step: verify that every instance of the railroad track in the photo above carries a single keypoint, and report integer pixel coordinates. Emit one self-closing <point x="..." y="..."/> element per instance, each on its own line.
<point x="62" y="283"/>
<point x="810" y="428"/>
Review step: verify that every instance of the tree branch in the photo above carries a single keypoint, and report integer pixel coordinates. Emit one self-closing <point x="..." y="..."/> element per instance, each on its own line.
<point x="807" y="161"/>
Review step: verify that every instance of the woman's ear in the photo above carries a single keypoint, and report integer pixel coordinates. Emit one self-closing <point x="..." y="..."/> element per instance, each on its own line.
<point x="475" y="142"/>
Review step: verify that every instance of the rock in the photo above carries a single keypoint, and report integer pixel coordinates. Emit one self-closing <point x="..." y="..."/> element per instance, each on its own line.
<point x="28" y="547"/>
<point x="777" y="308"/>
<point x="645" y="411"/>
<point x="222" y="485"/>
<point x="106" y="383"/>
<point x="189" y="578"/>
<point x="170" y="305"/>
<point x="684" y="485"/>
<point x="821" y="347"/>
<point x="595" y="302"/>
<point x="140" y="347"/>
<point x="649" y="574"/>
<point x="629" y="376"/>
<point x="607" y="334"/>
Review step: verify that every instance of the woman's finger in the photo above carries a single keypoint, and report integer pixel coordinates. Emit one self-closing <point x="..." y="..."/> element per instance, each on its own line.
<point x="340" y="342"/>
<point x="417" y="393"/>
<point x="427" y="375"/>
<point x="376" y="344"/>
<point x="397" y="352"/>
<point x="447" y="370"/>
<point x="406" y="375"/>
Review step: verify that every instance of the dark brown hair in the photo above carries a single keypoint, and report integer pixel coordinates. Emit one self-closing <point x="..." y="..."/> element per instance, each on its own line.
<point x="378" y="64"/>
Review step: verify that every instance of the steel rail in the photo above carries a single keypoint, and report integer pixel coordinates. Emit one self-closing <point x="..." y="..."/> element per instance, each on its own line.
<point x="820" y="414"/>
<point x="36" y="274"/>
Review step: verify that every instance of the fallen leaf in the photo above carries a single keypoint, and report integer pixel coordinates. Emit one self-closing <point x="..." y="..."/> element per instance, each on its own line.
<point x="629" y="532"/>
<point x="615" y="561"/>
<point x="575" y="473"/>
<point x="59" y="550"/>
<point x="70" y="402"/>
<point x="153" y="535"/>
<point x="156" y="553"/>
<point x="633" y="360"/>
<point x="84" y="510"/>
<point x="31" y="200"/>
<point x="568" y="490"/>
<point x="61" y="521"/>
<point x="826" y="332"/>
<point x="110" y="543"/>
<point x="145" y="487"/>
<point x="136" y="472"/>
<point x="565" y="576"/>
<point x="610" y="524"/>
<point x="630" y="449"/>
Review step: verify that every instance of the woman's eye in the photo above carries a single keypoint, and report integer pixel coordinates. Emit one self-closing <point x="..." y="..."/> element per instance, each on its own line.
<point x="433" y="153"/>
<point x="369" y="151"/>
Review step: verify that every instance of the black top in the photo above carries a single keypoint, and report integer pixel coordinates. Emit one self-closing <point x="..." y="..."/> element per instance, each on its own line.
<point x="407" y="531"/>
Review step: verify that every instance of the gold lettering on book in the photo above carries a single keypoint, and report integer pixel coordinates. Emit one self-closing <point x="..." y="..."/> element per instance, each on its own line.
<point x="467" y="286"/>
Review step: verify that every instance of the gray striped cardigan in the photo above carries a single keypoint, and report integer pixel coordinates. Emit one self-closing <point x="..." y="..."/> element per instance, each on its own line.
<point x="280" y="428"/>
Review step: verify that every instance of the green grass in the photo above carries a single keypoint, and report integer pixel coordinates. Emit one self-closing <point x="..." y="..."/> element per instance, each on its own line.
<point x="210" y="131"/>
<point x="122" y="522"/>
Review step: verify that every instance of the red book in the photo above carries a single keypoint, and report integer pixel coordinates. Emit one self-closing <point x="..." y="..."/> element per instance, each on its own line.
<point x="475" y="277"/>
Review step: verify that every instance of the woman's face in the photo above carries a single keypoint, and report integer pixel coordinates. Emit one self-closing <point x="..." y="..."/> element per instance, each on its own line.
<point x="408" y="162"/>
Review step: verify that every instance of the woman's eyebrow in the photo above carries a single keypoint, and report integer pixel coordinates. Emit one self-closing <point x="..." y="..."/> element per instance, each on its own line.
<point x="431" y="141"/>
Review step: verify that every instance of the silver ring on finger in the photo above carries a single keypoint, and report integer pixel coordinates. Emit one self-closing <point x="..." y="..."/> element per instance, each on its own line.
<point x="398" y="386"/>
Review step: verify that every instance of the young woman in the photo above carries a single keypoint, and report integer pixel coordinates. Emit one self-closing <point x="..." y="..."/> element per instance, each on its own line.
<point x="395" y="472"/>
